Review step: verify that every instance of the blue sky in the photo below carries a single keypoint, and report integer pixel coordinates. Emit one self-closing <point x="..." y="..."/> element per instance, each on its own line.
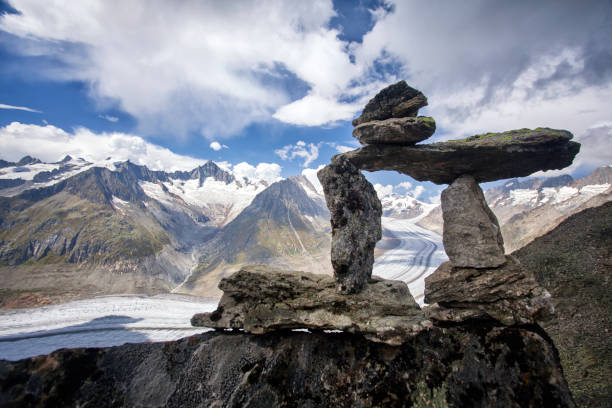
<point x="277" y="82"/>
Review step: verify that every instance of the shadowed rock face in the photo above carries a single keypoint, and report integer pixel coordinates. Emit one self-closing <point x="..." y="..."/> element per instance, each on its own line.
<point x="508" y="294"/>
<point x="477" y="365"/>
<point x="259" y="299"/>
<point x="489" y="157"/>
<point x="472" y="237"/>
<point x="396" y="131"/>
<point x="355" y="219"/>
<point x="396" y="101"/>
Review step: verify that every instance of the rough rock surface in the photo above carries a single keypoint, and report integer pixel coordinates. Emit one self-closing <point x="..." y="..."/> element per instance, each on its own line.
<point x="471" y="235"/>
<point x="508" y="294"/>
<point x="398" y="131"/>
<point x="489" y="157"/>
<point x="574" y="263"/>
<point x="259" y="300"/>
<point x="355" y="219"/>
<point x="477" y="365"/>
<point x="395" y="101"/>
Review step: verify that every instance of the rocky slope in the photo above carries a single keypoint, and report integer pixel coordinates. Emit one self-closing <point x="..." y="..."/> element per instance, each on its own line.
<point x="466" y="365"/>
<point x="74" y="228"/>
<point x="574" y="262"/>
<point x="528" y="208"/>
<point x="284" y="227"/>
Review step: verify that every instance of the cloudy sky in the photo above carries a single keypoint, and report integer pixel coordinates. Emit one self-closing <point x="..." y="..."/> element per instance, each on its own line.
<point x="269" y="87"/>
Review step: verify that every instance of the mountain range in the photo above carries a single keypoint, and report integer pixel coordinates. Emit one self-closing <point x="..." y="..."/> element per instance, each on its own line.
<point x="529" y="208"/>
<point x="74" y="228"/>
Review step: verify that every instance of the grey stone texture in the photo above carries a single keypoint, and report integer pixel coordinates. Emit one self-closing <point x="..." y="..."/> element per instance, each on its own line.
<point x="471" y="235"/>
<point x="259" y="299"/>
<point x="508" y="294"/>
<point x="395" y="101"/>
<point x="489" y="157"/>
<point x="395" y="131"/>
<point x="355" y="220"/>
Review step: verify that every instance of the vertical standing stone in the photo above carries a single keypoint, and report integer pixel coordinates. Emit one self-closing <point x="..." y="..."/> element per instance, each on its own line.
<point x="472" y="237"/>
<point x="355" y="219"/>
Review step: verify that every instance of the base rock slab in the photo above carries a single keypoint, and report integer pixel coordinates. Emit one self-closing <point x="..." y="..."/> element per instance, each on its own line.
<point x="259" y="300"/>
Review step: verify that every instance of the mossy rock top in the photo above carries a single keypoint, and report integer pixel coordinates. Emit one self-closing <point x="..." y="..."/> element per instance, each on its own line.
<point x="486" y="157"/>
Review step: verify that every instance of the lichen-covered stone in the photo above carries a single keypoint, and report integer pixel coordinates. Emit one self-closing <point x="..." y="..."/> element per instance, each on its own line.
<point x="471" y="235"/>
<point x="355" y="220"/>
<point x="259" y="299"/>
<point x="508" y="294"/>
<point x="490" y="157"/>
<point x="395" y="101"/>
<point x="396" y="131"/>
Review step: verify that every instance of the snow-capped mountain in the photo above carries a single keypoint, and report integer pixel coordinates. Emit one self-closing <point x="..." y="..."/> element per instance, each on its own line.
<point x="116" y="227"/>
<point x="528" y="208"/>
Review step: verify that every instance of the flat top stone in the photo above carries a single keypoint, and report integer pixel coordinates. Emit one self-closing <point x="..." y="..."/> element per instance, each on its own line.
<point x="260" y="299"/>
<point x="395" y="101"/>
<point x="486" y="157"/>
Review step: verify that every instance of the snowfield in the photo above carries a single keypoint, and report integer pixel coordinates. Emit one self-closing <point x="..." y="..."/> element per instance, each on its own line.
<point x="99" y="322"/>
<point x="417" y="256"/>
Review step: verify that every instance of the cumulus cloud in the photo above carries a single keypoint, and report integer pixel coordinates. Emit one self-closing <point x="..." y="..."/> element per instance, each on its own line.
<point x="216" y="146"/>
<point x="343" y="149"/>
<point x="383" y="191"/>
<point x="405" y="185"/>
<point x="269" y="172"/>
<point x="489" y="66"/>
<point x="50" y="143"/>
<point x="210" y="67"/>
<point x="307" y="151"/>
<point x="215" y="68"/>
<point x="22" y="108"/>
<point x="418" y="191"/>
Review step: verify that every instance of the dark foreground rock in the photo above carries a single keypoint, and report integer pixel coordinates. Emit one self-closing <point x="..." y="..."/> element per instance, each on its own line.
<point x="355" y="220"/>
<point x="509" y="294"/>
<point x="395" y="101"/>
<point x="260" y="299"/>
<point x="471" y="235"/>
<point x="489" y="157"/>
<point x="464" y="366"/>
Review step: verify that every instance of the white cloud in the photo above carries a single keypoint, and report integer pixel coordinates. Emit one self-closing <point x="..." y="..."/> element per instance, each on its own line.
<point x="315" y="110"/>
<point x="406" y="185"/>
<point x="343" y="149"/>
<point x="418" y="191"/>
<point x="216" y="67"/>
<point x="22" y="108"/>
<point x="269" y="172"/>
<point x="50" y="143"/>
<point x="498" y="74"/>
<point x="216" y="146"/>
<point x="383" y="191"/>
<point x="311" y="175"/>
<point x="110" y="118"/>
<point x="211" y="67"/>
<point x="307" y="151"/>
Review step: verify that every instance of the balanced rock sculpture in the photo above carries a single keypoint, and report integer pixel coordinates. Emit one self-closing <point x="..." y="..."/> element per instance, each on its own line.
<point x="479" y="280"/>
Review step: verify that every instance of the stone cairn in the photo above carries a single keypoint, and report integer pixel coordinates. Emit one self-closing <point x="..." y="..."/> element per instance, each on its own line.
<point x="478" y="282"/>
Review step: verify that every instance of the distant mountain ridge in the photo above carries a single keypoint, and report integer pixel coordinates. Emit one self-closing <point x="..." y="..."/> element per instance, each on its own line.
<point x="528" y="208"/>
